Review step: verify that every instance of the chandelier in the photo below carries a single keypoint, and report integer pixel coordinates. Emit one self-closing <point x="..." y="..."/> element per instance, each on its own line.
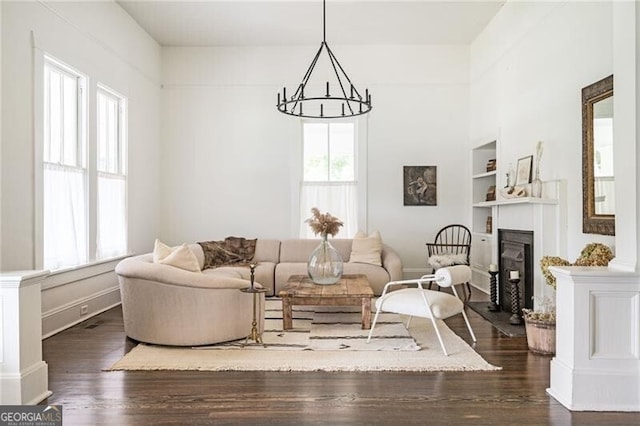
<point x="348" y="102"/>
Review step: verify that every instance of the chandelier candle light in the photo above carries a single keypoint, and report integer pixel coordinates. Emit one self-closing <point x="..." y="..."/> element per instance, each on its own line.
<point x="325" y="105"/>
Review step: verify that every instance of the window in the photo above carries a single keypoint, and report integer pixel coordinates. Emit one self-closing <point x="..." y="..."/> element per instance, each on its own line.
<point x="329" y="174"/>
<point x="83" y="178"/>
<point x="112" y="225"/>
<point x="64" y="167"/>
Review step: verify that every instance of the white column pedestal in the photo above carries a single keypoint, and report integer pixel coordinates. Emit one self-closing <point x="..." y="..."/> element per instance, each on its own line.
<point x="23" y="373"/>
<point x="597" y="362"/>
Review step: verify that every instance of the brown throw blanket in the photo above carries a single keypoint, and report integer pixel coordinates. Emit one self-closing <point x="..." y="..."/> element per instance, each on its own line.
<point x="232" y="250"/>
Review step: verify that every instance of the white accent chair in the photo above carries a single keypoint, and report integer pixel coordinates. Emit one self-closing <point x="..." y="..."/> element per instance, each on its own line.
<point x="421" y="302"/>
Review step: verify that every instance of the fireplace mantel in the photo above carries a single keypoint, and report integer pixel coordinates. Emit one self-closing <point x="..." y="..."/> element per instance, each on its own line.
<point x="519" y="200"/>
<point x="546" y="217"/>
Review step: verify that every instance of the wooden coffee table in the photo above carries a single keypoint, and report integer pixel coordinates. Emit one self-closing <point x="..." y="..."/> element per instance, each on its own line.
<point x="351" y="290"/>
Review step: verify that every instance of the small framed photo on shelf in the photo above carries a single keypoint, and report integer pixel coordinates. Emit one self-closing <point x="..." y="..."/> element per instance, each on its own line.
<point x="523" y="170"/>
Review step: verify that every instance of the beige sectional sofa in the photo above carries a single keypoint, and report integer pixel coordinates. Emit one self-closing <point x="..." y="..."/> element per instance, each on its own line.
<point x="166" y="305"/>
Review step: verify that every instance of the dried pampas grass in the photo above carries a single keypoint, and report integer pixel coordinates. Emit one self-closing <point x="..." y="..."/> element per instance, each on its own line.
<point x="324" y="223"/>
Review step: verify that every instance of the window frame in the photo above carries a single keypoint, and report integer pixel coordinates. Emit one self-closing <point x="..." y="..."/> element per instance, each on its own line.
<point x="87" y="125"/>
<point x="360" y="165"/>
<point x="120" y="161"/>
<point x="41" y="61"/>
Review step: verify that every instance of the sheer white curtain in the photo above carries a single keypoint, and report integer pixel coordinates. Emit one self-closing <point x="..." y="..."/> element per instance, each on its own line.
<point x="339" y="199"/>
<point x="112" y="223"/>
<point x="65" y="216"/>
<point x="111" y="236"/>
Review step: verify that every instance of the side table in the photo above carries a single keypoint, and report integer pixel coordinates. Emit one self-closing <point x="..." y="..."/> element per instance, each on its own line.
<point x="254" y="334"/>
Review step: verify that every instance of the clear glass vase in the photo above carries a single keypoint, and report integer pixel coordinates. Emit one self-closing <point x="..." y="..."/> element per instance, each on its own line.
<point x="325" y="263"/>
<point x="536" y="186"/>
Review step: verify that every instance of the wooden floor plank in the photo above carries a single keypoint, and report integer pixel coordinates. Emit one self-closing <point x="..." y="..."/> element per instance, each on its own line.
<point x="515" y="395"/>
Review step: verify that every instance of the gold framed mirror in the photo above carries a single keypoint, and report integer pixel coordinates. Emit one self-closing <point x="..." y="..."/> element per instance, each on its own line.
<point x="598" y="177"/>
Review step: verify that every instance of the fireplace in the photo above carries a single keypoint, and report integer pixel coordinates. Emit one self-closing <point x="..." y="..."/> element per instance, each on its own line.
<point x="516" y="254"/>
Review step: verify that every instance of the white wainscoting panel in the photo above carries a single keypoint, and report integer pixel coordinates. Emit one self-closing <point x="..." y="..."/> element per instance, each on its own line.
<point x="73" y="296"/>
<point x="617" y="311"/>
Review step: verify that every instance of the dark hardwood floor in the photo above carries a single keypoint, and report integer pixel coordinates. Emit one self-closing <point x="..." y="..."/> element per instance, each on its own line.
<point x="513" y="396"/>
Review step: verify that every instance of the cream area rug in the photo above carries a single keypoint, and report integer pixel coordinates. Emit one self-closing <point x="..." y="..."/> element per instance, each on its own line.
<point x="322" y="339"/>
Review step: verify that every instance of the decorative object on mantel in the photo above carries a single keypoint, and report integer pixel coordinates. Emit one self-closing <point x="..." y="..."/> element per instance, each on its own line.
<point x="536" y="183"/>
<point x="523" y="170"/>
<point x="325" y="105"/>
<point x="510" y="177"/>
<point x="514" y="192"/>
<point x="325" y="264"/>
<point x="541" y="324"/>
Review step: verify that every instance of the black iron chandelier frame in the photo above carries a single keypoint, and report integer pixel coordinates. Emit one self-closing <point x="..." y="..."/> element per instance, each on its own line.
<point x="353" y="104"/>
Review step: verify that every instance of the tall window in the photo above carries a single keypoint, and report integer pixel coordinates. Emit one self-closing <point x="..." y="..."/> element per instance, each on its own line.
<point x="329" y="174"/>
<point x="83" y="177"/>
<point x="111" y="137"/>
<point x="65" y="226"/>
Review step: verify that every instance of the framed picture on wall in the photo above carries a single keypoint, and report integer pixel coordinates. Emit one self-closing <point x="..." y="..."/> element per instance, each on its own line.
<point x="523" y="170"/>
<point x="420" y="185"/>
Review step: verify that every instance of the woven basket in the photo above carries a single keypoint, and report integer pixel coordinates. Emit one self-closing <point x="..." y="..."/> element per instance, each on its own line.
<point x="541" y="336"/>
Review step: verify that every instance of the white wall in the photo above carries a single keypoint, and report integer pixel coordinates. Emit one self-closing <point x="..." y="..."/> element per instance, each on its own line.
<point x="101" y="40"/>
<point x="527" y="71"/>
<point x="229" y="157"/>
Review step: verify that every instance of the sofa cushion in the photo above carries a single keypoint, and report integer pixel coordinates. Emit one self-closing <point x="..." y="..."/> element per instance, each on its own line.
<point x="180" y="257"/>
<point x="267" y="251"/>
<point x="366" y="249"/>
<point x="299" y="250"/>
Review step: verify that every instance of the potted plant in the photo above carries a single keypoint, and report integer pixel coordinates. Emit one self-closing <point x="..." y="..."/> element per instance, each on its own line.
<point x="540" y="324"/>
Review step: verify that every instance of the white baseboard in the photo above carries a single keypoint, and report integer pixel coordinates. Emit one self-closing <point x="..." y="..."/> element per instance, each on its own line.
<point x="593" y="390"/>
<point x="69" y="314"/>
<point x="29" y="387"/>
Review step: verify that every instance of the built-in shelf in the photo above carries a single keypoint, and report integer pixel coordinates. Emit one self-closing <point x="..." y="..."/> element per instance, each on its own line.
<point x="483" y="184"/>
<point x="485" y="174"/>
<point x="520" y="200"/>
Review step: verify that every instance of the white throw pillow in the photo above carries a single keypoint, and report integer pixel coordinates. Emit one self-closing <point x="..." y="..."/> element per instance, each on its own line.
<point x="180" y="257"/>
<point x="160" y="251"/>
<point x="366" y="249"/>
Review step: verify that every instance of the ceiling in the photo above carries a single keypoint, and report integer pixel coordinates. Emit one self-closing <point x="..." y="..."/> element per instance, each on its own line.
<point x="267" y="22"/>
